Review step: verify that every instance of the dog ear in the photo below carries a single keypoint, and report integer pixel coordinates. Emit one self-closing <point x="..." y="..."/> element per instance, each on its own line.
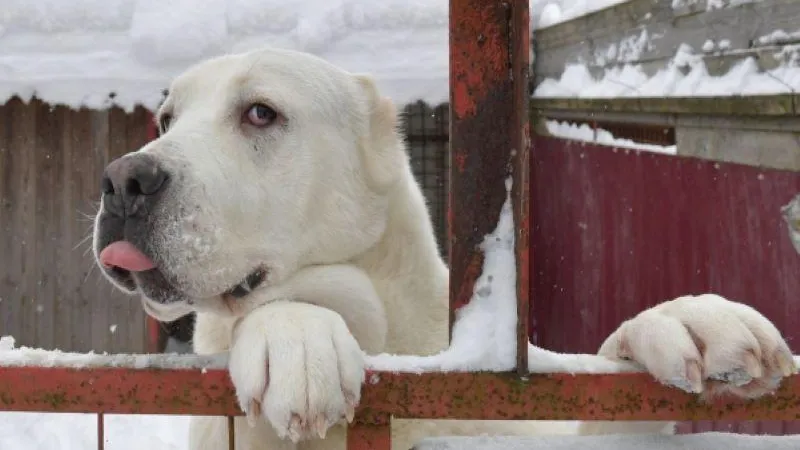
<point x="382" y="147"/>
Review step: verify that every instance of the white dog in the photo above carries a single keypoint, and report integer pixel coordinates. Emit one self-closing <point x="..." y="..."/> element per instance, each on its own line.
<point x="279" y="204"/>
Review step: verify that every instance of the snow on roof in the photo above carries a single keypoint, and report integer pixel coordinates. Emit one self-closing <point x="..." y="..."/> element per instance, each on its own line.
<point x="77" y="52"/>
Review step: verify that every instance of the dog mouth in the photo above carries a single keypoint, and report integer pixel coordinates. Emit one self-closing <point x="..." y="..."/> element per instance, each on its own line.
<point x="131" y="268"/>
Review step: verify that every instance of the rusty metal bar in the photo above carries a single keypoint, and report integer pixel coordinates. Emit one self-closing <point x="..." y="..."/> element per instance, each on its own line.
<point x="489" y="139"/>
<point x="231" y="433"/>
<point x="101" y="432"/>
<point x="427" y="396"/>
<point x="519" y="30"/>
<point x="370" y="436"/>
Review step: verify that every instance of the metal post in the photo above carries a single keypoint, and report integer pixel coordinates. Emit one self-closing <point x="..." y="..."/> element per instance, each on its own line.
<point x="370" y="436"/>
<point x="489" y="136"/>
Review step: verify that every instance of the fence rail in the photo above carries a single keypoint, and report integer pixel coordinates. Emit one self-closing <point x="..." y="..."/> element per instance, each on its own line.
<point x="386" y="395"/>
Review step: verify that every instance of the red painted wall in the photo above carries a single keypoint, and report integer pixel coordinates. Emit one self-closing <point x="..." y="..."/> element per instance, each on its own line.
<point x="617" y="231"/>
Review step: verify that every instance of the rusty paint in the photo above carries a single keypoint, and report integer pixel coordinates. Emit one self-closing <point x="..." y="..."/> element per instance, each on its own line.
<point x="101" y="432"/>
<point x="369" y="436"/>
<point x="488" y="82"/>
<point x="117" y="391"/>
<point x="519" y="31"/>
<point x="471" y="396"/>
<point x="427" y="396"/>
<point x="231" y="433"/>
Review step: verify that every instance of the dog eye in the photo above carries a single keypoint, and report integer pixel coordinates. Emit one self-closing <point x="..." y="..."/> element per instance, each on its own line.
<point x="261" y="115"/>
<point x="164" y="122"/>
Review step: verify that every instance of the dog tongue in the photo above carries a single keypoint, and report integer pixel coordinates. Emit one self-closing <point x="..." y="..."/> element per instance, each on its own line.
<point x="124" y="255"/>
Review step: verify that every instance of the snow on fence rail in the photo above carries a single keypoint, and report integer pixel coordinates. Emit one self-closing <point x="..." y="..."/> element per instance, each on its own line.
<point x="654" y="48"/>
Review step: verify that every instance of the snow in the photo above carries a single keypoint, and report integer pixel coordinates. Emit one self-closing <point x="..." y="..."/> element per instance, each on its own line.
<point x="709" y="441"/>
<point x="12" y="356"/>
<point x="586" y="133"/>
<point x="37" y="431"/>
<point x="484" y="334"/>
<point x="554" y="12"/>
<point x="98" y="53"/>
<point x="684" y="75"/>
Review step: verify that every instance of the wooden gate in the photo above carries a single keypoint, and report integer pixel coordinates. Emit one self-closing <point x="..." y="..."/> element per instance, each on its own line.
<point x="569" y="201"/>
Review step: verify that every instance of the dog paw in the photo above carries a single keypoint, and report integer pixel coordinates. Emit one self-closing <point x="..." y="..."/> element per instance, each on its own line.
<point x="705" y="344"/>
<point x="298" y="367"/>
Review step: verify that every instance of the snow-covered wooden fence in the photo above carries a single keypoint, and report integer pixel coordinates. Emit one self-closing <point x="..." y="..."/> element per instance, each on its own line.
<point x="717" y="79"/>
<point x="489" y="48"/>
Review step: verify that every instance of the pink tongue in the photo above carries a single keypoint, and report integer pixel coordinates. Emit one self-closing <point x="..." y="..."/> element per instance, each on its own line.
<point x="124" y="255"/>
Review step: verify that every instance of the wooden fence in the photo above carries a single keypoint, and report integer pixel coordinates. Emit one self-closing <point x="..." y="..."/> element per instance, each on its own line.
<point x="51" y="293"/>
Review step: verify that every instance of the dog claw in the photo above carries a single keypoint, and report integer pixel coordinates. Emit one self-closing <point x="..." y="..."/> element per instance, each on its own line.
<point x="694" y="376"/>
<point x="253" y="412"/>
<point x="349" y="413"/>
<point x="786" y="364"/>
<point x="295" y="431"/>
<point x="321" y="426"/>
<point x="752" y="365"/>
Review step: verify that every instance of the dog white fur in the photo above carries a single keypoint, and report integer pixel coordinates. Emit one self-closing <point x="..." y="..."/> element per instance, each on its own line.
<point x="324" y="198"/>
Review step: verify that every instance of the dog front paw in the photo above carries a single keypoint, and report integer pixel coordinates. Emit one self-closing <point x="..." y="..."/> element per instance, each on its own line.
<point x="298" y="366"/>
<point x="705" y="344"/>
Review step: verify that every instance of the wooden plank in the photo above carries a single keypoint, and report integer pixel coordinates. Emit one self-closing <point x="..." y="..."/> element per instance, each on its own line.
<point x="45" y="155"/>
<point x="72" y="246"/>
<point x="8" y="205"/>
<point x="17" y="299"/>
<point x="649" y="32"/>
<point x="782" y="105"/>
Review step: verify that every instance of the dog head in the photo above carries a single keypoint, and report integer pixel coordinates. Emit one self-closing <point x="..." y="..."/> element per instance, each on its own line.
<point x="267" y="161"/>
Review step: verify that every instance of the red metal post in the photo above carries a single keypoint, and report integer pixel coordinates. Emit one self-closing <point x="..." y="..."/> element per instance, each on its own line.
<point x="370" y="436"/>
<point x="489" y="47"/>
<point x="101" y="432"/>
<point x="231" y="433"/>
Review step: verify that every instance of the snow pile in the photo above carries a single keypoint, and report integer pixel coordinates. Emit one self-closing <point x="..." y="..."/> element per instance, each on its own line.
<point x="554" y="12"/>
<point x="485" y="331"/>
<point x="11" y="356"/>
<point x="713" y="440"/>
<point x="99" y="53"/>
<point x="684" y="76"/>
<point x="585" y="133"/>
<point x="37" y="431"/>
<point x="78" y="52"/>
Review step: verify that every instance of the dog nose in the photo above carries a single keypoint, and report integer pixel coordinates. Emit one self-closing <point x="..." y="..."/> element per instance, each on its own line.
<point x="130" y="182"/>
